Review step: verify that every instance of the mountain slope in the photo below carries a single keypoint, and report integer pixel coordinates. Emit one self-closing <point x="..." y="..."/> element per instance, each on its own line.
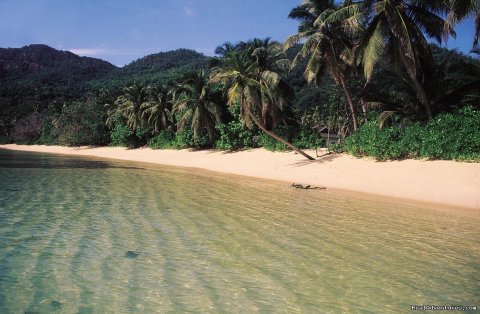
<point x="38" y="75"/>
<point x="163" y="67"/>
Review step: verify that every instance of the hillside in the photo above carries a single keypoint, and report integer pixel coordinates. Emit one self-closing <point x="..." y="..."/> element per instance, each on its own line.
<point x="38" y="75"/>
<point x="163" y="67"/>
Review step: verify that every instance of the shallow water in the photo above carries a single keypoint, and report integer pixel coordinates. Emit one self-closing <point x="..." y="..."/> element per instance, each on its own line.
<point x="84" y="235"/>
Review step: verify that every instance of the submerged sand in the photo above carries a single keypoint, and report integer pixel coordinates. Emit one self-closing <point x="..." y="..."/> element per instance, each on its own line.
<point x="444" y="182"/>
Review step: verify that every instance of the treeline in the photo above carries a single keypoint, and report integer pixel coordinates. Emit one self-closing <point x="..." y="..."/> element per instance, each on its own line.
<point x="361" y="67"/>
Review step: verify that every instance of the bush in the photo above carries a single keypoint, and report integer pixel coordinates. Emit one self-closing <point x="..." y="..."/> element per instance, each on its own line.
<point x="49" y="132"/>
<point x="81" y="123"/>
<point x="167" y="139"/>
<point x="234" y="135"/>
<point x="27" y="129"/>
<point x="184" y="139"/>
<point x="164" y="140"/>
<point x="122" y="135"/>
<point x="447" y="136"/>
<point x="303" y="138"/>
<point x="272" y="144"/>
<point x="4" y="140"/>
<point x="308" y="138"/>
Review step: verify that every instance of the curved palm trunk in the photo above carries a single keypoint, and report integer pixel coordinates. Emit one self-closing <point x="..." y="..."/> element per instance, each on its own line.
<point x="276" y="137"/>
<point x="350" y="102"/>
<point x="418" y="87"/>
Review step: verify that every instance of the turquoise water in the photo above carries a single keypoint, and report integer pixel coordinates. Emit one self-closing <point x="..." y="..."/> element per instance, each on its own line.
<point x="82" y="235"/>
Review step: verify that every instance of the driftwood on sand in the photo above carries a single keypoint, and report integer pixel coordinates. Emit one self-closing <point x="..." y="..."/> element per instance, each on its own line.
<point x="307" y="187"/>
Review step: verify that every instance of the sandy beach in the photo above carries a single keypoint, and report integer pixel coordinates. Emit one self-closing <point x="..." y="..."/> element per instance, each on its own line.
<point x="442" y="182"/>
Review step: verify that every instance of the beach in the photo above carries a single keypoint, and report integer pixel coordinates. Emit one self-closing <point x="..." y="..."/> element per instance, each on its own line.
<point x="450" y="183"/>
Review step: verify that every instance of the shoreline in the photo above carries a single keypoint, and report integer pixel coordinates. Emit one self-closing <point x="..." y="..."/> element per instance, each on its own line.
<point x="442" y="182"/>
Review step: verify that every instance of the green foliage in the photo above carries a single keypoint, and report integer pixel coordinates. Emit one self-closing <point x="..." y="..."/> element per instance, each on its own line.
<point x="234" y="135"/>
<point x="307" y="138"/>
<point x="4" y="140"/>
<point x="448" y="136"/>
<point x="184" y="139"/>
<point x="27" y="129"/>
<point x="302" y="137"/>
<point x="121" y="134"/>
<point x="453" y="136"/>
<point x="81" y="123"/>
<point x="49" y="132"/>
<point x="272" y="144"/>
<point x="165" y="139"/>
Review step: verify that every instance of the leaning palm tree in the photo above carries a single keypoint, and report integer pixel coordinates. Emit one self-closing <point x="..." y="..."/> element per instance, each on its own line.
<point x="327" y="45"/>
<point x="130" y="104"/>
<point x="397" y="27"/>
<point x="157" y="110"/>
<point x="197" y="104"/>
<point x="254" y="90"/>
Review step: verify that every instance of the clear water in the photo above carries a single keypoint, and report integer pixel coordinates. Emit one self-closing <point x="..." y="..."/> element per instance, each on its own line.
<point x="96" y="236"/>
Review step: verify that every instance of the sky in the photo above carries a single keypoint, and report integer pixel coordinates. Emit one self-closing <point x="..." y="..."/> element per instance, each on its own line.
<point x="121" y="31"/>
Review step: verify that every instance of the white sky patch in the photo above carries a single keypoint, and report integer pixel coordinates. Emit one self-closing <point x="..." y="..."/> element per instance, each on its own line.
<point x="89" y="51"/>
<point x="102" y="51"/>
<point x="206" y="51"/>
<point x="189" y="11"/>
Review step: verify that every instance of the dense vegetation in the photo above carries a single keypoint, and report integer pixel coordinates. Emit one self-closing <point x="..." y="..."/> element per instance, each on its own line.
<point x="363" y="70"/>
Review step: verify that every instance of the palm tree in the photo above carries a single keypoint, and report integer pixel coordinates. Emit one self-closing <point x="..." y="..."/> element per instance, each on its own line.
<point x="257" y="91"/>
<point x="459" y="10"/>
<point x="224" y="49"/>
<point x="157" y="110"/>
<point x="327" y="45"/>
<point x="308" y="12"/>
<point x="198" y="104"/>
<point x="131" y="103"/>
<point x="397" y="27"/>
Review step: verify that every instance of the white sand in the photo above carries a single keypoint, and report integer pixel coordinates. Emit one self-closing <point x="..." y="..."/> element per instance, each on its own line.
<point x="444" y="182"/>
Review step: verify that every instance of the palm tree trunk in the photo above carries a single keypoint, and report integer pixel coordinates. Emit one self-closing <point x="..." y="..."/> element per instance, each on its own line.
<point x="418" y="87"/>
<point x="276" y="137"/>
<point x="346" y="90"/>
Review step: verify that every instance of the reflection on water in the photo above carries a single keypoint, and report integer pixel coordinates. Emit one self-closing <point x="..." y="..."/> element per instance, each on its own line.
<point x="10" y="159"/>
<point x="95" y="236"/>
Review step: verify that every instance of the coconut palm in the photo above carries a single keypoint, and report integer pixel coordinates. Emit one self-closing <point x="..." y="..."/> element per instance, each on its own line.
<point x="224" y="49"/>
<point x="157" y="110"/>
<point x="257" y="91"/>
<point x="130" y="104"/>
<point x="197" y="104"/>
<point x="308" y="12"/>
<point x="459" y="10"/>
<point x="397" y="27"/>
<point x="327" y="44"/>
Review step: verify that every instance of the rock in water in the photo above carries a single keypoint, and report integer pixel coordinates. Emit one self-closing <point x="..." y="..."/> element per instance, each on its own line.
<point x="131" y="254"/>
<point x="56" y="305"/>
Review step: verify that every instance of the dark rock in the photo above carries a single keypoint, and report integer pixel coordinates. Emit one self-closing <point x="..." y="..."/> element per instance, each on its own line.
<point x="132" y="254"/>
<point x="56" y="305"/>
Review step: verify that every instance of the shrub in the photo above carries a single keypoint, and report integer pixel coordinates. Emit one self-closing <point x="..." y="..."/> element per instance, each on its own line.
<point x="447" y="136"/>
<point x="184" y="139"/>
<point x="4" y="140"/>
<point x="49" y="132"/>
<point x="122" y="135"/>
<point x="165" y="139"/>
<point x="81" y="123"/>
<point x="27" y="129"/>
<point x="308" y="138"/>
<point x="234" y="135"/>
<point x="272" y="144"/>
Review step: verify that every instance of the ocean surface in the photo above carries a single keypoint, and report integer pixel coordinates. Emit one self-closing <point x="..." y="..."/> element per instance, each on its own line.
<point x="89" y="235"/>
